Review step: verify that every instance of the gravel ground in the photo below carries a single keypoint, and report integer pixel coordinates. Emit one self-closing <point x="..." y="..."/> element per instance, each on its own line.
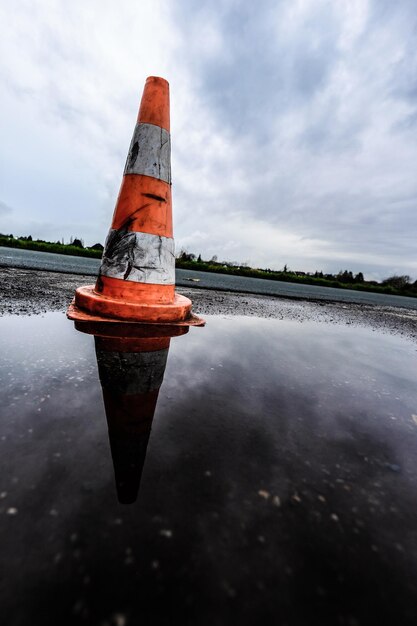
<point x="29" y="292"/>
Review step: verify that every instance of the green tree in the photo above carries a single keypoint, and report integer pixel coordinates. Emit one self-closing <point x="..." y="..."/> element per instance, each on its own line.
<point x="345" y="277"/>
<point x="398" y="282"/>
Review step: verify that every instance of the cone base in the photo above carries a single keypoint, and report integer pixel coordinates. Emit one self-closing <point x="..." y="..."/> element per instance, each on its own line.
<point x="130" y="333"/>
<point x="88" y="306"/>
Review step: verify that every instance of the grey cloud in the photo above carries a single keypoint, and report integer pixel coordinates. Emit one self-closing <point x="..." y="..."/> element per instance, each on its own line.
<point x="403" y="78"/>
<point x="313" y="53"/>
<point x="402" y="72"/>
<point x="5" y="209"/>
<point x="327" y="180"/>
<point x="409" y="122"/>
<point x="258" y="74"/>
<point x="388" y="12"/>
<point x="365" y="224"/>
<point x="326" y="133"/>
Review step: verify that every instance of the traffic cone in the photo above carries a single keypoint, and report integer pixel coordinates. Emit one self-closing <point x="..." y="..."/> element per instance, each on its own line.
<point x="136" y="281"/>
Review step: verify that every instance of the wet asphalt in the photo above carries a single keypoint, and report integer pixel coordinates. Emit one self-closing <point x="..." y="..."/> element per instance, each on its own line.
<point x="30" y="292"/>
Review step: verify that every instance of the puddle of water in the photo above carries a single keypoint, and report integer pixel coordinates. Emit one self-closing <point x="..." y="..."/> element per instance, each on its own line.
<point x="270" y="476"/>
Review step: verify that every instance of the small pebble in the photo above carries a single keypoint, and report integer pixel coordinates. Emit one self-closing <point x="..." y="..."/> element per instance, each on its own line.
<point x="393" y="467"/>
<point x="12" y="511"/>
<point x="119" y="619"/>
<point x="264" y="494"/>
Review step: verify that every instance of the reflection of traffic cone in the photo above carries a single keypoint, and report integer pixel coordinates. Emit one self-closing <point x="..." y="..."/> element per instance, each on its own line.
<point x="131" y="362"/>
<point x="131" y="371"/>
<point x="137" y="275"/>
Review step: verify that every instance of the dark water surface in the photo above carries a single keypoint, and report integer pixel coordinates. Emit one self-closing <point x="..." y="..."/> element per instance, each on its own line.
<point x="279" y="484"/>
<point x="13" y="257"/>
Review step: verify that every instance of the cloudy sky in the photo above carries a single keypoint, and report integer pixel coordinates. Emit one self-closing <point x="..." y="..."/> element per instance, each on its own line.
<point x="294" y="124"/>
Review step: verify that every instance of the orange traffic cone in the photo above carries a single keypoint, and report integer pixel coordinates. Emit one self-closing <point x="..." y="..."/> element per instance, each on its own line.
<point x="136" y="281"/>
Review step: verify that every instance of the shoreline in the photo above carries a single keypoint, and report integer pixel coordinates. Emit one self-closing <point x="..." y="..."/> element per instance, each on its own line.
<point x="31" y="292"/>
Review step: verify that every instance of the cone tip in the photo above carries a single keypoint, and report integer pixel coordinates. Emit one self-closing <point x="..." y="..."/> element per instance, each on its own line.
<point x="157" y="79"/>
<point x="154" y="106"/>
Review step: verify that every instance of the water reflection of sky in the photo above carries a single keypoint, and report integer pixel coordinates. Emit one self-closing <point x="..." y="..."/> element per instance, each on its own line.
<point x="279" y="480"/>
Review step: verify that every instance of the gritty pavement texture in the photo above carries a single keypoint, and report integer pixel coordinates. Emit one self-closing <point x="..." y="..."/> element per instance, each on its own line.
<point x="29" y="292"/>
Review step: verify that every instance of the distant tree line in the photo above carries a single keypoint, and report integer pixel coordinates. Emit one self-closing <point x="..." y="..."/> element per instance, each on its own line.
<point x="344" y="279"/>
<point x="75" y="247"/>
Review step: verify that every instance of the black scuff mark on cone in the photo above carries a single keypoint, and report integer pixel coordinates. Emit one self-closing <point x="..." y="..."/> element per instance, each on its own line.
<point x="119" y="252"/>
<point x="166" y="157"/>
<point x="136" y="256"/>
<point x="160" y="155"/>
<point x="153" y="196"/>
<point x="128" y="270"/>
<point x="131" y="218"/>
<point x="160" y="248"/>
<point x="134" y="154"/>
<point x="99" y="283"/>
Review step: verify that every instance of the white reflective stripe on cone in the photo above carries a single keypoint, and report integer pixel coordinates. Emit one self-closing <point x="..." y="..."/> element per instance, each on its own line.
<point x="131" y="372"/>
<point x="139" y="257"/>
<point x="150" y="152"/>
